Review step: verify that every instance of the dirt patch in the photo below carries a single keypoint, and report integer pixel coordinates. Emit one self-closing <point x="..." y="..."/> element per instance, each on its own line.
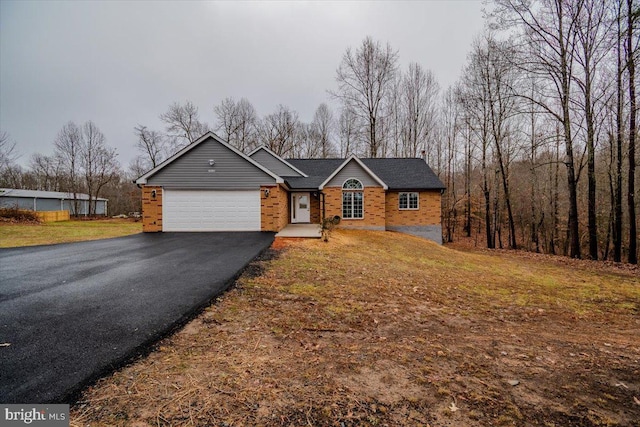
<point x="379" y="328"/>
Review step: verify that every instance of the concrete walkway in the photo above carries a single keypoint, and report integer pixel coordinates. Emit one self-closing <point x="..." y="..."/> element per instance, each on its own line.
<point x="312" y="231"/>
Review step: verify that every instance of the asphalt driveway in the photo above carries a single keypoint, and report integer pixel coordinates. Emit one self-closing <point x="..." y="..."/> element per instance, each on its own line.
<point x="71" y="313"/>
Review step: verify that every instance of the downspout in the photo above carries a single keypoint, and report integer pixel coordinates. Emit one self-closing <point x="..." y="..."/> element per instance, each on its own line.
<point x="324" y="213"/>
<point x="35" y="205"/>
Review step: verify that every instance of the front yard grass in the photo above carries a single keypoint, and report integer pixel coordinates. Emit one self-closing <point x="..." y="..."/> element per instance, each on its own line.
<point x="376" y="328"/>
<point x="16" y="235"/>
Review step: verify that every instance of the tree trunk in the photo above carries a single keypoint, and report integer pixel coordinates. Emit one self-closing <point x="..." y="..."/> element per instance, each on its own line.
<point x="373" y="152"/>
<point x="534" y="229"/>
<point x="556" y="195"/>
<point x="591" y="170"/>
<point x="467" y="186"/>
<point x="633" y="235"/>
<point x="487" y="199"/>
<point x="573" y="224"/>
<point x="617" y="217"/>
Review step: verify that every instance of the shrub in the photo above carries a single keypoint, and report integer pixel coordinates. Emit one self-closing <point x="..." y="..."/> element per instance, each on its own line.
<point x="18" y="215"/>
<point x="328" y="224"/>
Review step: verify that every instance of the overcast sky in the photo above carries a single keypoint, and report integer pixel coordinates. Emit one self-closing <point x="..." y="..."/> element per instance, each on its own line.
<point x="120" y="63"/>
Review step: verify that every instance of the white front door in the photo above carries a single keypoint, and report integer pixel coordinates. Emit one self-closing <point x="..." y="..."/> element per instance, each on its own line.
<point x="300" y="209"/>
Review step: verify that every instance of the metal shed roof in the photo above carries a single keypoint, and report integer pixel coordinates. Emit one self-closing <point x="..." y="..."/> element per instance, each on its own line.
<point x="37" y="194"/>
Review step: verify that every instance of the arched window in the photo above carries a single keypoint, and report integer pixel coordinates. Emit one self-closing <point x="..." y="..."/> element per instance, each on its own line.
<point x="352" y="199"/>
<point x="352" y="184"/>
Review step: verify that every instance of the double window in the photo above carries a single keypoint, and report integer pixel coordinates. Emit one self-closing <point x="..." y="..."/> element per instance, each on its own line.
<point x="352" y="199"/>
<point x="408" y="201"/>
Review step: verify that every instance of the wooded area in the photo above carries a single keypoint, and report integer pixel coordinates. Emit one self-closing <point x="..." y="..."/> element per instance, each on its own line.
<point x="536" y="142"/>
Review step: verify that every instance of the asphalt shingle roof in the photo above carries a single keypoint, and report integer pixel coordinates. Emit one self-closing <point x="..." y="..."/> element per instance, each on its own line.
<point x="398" y="174"/>
<point x="317" y="169"/>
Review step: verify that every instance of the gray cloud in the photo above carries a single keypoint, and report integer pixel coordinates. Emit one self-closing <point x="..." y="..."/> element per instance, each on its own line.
<point x="123" y="63"/>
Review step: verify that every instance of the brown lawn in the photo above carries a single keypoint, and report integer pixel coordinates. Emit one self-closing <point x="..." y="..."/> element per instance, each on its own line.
<point x="378" y="329"/>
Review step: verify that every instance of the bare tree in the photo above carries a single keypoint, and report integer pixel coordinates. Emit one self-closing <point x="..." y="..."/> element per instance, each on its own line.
<point x="237" y="121"/>
<point x="498" y="79"/>
<point x="98" y="162"/>
<point x="10" y="172"/>
<point x="68" y="150"/>
<point x="617" y="198"/>
<point x="152" y="145"/>
<point x="419" y="92"/>
<point x="183" y="124"/>
<point x="395" y="120"/>
<point x="474" y="98"/>
<point x="307" y="143"/>
<point x="47" y="173"/>
<point x="449" y="133"/>
<point x="8" y="152"/>
<point x="633" y="16"/>
<point x="592" y="48"/>
<point x="364" y="78"/>
<point x="137" y="167"/>
<point x="322" y="129"/>
<point x="278" y="131"/>
<point x="549" y="32"/>
<point x="348" y="132"/>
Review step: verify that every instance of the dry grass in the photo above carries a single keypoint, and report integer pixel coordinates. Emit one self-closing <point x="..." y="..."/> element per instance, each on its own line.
<point x="16" y="235"/>
<point x="379" y="328"/>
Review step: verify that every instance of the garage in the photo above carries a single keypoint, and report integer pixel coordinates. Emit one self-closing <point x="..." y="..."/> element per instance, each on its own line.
<point x="211" y="186"/>
<point x="202" y="210"/>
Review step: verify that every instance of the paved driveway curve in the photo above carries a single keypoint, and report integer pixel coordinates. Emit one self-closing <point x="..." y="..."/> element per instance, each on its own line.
<point x="72" y="312"/>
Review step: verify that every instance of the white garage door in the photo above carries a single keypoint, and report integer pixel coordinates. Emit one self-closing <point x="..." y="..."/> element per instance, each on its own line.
<point x="190" y="210"/>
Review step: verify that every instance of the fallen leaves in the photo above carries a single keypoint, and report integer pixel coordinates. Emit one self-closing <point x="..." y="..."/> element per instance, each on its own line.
<point x="327" y="334"/>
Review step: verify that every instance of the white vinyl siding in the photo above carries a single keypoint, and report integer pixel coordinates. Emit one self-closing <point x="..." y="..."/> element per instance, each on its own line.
<point x="352" y="170"/>
<point x="198" y="210"/>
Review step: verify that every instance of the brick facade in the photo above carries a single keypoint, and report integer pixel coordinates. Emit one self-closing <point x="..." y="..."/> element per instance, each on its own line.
<point x="374" y="207"/>
<point x="274" y="209"/>
<point x="429" y="212"/>
<point x="380" y="210"/>
<point x="151" y="209"/>
<point x="316" y="212"/>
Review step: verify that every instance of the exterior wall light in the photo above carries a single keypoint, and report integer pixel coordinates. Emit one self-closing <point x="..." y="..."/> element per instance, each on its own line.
<point x="153" y="194"/>
<point x="266" y="193"/>
<point x="211" y="162"/>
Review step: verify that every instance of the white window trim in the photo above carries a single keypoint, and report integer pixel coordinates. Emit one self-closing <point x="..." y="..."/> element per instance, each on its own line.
<point x="408" y="208"/>
<point x="351" y="191"/>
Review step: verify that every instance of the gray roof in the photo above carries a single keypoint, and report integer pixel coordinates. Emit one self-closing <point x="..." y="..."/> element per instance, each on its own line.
<point x="12" y="192"/>
<point x="398" y="174"/>
<point x="317" y="169"/>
